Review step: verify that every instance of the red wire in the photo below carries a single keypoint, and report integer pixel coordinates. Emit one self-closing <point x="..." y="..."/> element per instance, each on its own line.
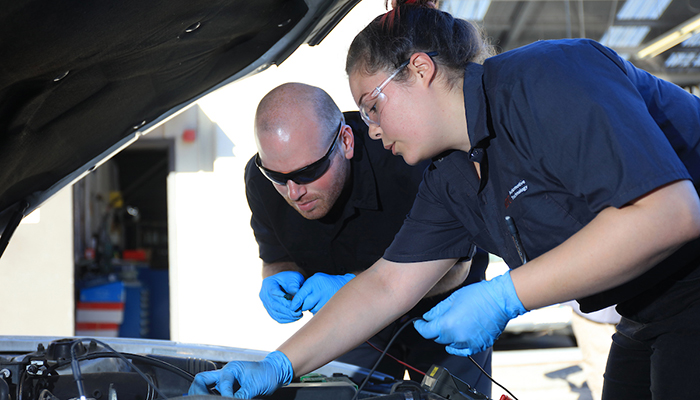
<point x="396" y="359"/>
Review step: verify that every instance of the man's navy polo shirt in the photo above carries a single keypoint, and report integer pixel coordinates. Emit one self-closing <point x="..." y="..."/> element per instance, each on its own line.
<point x="362" y="225"/>
<point x="561" y="129"/>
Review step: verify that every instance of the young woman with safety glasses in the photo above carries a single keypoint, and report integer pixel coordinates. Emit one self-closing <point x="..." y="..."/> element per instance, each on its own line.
<point x="591" y="161"/>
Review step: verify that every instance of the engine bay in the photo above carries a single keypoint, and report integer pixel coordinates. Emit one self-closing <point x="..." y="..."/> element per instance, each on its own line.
<point x="90" y="369"/>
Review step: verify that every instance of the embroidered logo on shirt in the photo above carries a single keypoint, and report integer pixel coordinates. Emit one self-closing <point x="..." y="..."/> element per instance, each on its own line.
<point x="515" y="191"/>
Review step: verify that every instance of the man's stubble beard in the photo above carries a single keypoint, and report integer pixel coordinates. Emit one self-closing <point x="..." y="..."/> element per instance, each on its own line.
<point x="329" y="198"/>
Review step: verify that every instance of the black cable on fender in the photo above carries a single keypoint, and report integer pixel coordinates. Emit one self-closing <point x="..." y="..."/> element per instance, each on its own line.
<point x="376" y="364"/>
<point x="492" y="380"/>
<point x="146" y="360"/>
<point x="75" y="366"/>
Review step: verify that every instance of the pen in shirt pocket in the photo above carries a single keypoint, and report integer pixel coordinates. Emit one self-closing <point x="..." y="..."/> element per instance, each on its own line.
<point x="516" y="239"/>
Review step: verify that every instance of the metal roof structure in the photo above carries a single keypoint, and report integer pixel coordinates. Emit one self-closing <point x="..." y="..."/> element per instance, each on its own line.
<point x="660" y="36"/>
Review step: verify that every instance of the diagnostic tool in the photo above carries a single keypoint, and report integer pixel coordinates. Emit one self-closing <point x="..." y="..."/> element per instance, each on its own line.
<point x="439" y="381"/>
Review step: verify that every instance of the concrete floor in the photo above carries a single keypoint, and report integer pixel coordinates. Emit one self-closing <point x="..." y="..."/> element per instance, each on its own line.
<point x="537" y="374"/>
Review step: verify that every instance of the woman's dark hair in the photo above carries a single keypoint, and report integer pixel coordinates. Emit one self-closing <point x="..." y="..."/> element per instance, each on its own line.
<point x="417" y="26"/>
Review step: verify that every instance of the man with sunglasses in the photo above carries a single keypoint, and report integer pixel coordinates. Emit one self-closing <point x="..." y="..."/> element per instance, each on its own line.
<point x="325" y="205"/>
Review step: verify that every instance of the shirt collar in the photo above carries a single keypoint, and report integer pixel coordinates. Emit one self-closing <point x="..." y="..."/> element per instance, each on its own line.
<point x="475" y="105"/>
<point x="476" y="111"/>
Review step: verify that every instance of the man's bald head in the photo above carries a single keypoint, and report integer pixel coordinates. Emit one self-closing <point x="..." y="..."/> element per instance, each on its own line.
<point x="280" y="110"/>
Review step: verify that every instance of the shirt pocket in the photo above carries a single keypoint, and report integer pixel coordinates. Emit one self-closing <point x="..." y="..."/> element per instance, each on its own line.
<point x="544" y="224"/>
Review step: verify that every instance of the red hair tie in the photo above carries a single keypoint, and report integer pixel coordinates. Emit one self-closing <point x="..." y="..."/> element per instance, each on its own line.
<point x="387" y="19"/>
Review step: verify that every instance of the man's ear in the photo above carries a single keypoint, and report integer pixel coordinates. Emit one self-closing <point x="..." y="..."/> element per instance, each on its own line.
<point x="348" y="140"/>
<point x="423" y="67"/>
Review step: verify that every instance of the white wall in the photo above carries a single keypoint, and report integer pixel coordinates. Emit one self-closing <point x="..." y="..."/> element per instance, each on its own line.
<point x="215" y="269"/>
<point x="36" y="272"/>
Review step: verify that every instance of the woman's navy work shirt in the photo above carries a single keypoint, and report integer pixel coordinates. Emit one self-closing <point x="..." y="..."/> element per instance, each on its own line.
<point x="561" y="129"/>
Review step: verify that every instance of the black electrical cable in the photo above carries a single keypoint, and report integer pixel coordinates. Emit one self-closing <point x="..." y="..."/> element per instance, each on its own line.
<point x="20" y="386"/>
<point x="146" y="360"/>
<point x="79" y="379"/>
<point x="75" y="366"/>
<point x="376" y="364"/>
<point x="492" y="380"/>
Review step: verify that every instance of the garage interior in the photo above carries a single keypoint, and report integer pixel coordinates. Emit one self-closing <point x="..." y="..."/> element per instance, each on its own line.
<point x="121" y="244"/>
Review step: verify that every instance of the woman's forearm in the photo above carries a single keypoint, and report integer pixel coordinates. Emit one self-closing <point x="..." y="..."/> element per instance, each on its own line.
<point x="360" y="309"/>
<point x="617" y="246"/>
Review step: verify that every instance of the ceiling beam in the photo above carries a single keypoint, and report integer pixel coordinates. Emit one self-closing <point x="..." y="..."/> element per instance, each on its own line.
<point x="522" y="14"/>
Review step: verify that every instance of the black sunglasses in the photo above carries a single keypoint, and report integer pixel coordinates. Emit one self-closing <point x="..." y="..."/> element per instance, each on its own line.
<point x="303" y="175"/>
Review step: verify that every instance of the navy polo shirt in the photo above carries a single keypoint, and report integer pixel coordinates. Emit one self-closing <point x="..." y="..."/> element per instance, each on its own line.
<point x="561" y="129"/>
<point x="361" y="224"/>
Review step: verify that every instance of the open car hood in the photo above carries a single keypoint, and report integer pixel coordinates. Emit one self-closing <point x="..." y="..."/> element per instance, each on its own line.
<point x="81" y="80"/>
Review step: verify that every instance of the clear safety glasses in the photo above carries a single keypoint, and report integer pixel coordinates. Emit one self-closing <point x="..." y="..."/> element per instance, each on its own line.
<point x="303" y="175"/>
<point x="371" y="105"/>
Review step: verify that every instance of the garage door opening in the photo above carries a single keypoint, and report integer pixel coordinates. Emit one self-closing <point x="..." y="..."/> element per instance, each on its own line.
<point x="121" y="245"/>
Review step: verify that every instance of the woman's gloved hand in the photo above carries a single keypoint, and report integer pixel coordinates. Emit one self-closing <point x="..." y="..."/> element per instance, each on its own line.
<point x="255" y="378"/>
<point x="273" y="297"/>
<point x="472" y="318"/>
<point x="317" y="290"/>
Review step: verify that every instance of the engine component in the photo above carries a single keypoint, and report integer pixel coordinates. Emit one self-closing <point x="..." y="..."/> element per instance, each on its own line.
<point x="438" y="380"/>
<point x="47" y="374"/>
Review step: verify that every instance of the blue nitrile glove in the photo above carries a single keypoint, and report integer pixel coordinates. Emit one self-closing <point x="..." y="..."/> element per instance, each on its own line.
<point x="472" y="318"/>
<point x="317" y="290"/>
<point x="255" y="378"/>
<point x="272" y="295"/>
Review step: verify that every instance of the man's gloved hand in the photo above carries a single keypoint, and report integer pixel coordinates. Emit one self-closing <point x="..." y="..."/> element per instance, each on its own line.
<point x="255" y="378"/>
<point x="272" y="295"/>
<point x="472" y="318"/>
<point x="317" y="290"/>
